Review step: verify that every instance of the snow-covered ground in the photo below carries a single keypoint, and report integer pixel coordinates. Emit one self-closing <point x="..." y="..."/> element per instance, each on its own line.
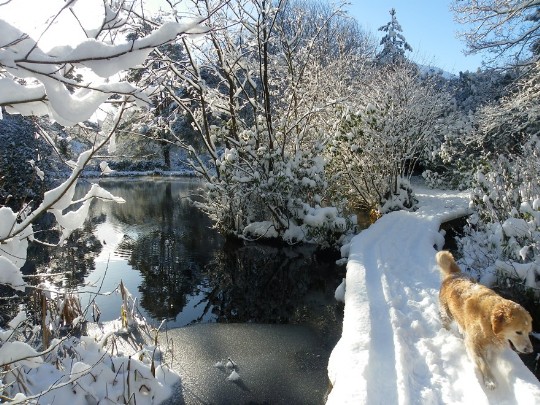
<point x="393" y="349"/>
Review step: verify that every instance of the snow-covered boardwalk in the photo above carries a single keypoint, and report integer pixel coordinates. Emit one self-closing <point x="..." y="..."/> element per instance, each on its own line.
<point x="393" y="349"/>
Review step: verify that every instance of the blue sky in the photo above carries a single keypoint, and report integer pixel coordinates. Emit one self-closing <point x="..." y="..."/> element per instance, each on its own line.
<point x="428" y="26"/>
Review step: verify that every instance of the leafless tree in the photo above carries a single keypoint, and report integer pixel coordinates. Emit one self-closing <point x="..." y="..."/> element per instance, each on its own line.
<point x="258" y="92"/>
<point x="506" y="28"/>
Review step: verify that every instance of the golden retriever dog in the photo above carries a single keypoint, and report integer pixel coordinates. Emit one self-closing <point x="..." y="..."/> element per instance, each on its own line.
<point x="486" y="320"/>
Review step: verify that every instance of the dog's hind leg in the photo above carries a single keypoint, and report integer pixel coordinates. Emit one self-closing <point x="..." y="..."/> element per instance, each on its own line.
<point x="481" y="362"/>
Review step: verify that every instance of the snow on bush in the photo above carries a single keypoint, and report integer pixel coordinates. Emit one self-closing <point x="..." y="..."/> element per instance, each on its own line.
<point x="499" y="113"/>
<point x="254" y="201"/>
<point x="502" y="236"/>
<point x="88" y="369"/>
<point x="47" y="363"/>
<point x="389" y="127"/>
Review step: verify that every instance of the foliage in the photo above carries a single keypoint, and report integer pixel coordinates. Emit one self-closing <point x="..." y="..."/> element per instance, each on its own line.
<point x="32" y="160"/>
<point x="395" y="121"/>
<point x="503" y="234"/>
<point x="507" y="125"/>
<point x="466" y="143"/>
<point x="253" y="192"/>
<point x="19" y="180"/>
<point x="505" y="230"/>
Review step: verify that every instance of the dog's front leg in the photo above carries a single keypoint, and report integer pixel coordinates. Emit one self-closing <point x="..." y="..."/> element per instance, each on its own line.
<point x="481" y="362"/>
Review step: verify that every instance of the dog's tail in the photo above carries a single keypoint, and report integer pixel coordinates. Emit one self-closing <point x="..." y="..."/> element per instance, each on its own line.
<point x="446" y="262"/>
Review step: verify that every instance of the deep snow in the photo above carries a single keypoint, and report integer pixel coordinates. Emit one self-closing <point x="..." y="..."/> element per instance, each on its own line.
<point x="393" y="349"/>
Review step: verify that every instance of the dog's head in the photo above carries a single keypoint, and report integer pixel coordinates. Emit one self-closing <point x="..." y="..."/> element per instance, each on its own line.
<point x="512" y="322"/>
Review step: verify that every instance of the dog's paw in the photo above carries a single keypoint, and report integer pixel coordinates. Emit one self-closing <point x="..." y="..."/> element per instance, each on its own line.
<point x="490" y="384"/>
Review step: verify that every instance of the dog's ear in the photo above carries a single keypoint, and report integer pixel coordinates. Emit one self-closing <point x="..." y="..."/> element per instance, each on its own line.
<point x="499" y="316"/>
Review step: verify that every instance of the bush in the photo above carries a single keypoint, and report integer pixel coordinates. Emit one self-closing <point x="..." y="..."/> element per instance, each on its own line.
<point x="392" y="126"/>
<point x="502" y="240"/>
<point x="263" y="193"/>
<point x="366" y="167"/>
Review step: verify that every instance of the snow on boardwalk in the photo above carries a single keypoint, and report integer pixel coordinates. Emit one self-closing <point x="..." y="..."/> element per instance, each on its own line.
<point x="393" y="349"/>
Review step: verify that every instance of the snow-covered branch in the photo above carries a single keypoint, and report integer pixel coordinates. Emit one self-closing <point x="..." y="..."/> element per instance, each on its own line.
<point x="508" y="29"/>
<point x="252" y="92"/>
<point x="38" y="82"/>
<point x="69" y="83"/>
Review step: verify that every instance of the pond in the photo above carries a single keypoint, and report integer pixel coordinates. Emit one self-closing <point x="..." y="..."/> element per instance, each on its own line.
<point x="268" y="306"/>
<point x="182" y="271"/>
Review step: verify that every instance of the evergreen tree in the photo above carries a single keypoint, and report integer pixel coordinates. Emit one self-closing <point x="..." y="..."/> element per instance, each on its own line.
<point x="393" y="42"/>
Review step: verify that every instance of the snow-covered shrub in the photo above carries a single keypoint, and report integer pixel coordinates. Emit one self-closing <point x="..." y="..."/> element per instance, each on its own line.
<point x="503" y="235"/>
<point x="456" y="157"/>
<point x="86" y="369"/>
<point x="263" y="193"/>
<point x="401" y="199"/>
<point x="361" y="164"/>
<point x="383" y="134"/>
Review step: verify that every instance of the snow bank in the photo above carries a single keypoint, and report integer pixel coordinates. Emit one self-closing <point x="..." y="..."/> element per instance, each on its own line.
<point x="110" y="366"/>
<point x="393" y="349"/>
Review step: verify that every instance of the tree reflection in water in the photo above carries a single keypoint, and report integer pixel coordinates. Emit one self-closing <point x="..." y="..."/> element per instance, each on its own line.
<point x="164" y="237"/>
<point x="265" y="283"/>
<point x="186" y="272"/>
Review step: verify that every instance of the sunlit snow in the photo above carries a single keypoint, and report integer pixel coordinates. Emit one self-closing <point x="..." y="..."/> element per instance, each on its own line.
<point x="394" y="349"/>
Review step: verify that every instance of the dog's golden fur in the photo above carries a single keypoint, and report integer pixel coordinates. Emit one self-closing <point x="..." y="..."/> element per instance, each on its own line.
<point x="486" y="320"/>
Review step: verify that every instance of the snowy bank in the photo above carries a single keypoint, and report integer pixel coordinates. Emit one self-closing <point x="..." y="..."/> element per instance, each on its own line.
<point x="111" y="365"/>
<point x="393" y="349"/>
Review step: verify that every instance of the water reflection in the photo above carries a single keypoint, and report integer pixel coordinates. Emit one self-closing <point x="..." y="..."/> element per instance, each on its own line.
<point x="180" y="269"/>
<point x="261" y="283"/>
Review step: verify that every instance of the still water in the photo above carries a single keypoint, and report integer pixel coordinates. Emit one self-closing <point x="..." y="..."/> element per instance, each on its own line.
<point x="182" y="271"/>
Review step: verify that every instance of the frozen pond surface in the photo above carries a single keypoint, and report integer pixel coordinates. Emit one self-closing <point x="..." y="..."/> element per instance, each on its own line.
<point x="274" y="364"/>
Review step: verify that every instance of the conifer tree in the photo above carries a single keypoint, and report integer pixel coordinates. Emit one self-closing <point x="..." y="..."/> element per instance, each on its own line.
<point x="393" y="42"/>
